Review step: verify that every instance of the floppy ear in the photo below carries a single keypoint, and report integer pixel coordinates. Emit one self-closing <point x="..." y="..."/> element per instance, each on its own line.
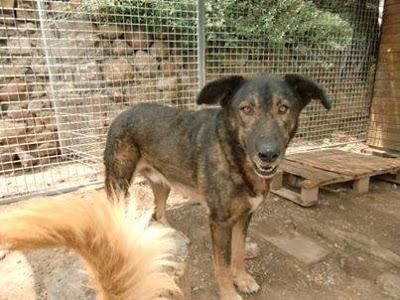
<point x="307" y="89"/>
<point x="221" y="90"/>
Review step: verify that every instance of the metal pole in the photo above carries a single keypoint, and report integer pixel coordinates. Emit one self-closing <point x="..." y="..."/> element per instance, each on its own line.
<point x="201" y="44"/>
<point x="47" y="52"/>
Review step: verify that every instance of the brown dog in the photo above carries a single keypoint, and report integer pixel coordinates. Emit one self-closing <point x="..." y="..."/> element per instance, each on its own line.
<point x="225" y="156"/>
<point x="127" y="259"/>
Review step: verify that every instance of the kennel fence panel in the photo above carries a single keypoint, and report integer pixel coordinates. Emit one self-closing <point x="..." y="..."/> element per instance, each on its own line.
<point x="69" y="67"/>
<point x="334" y="42"/>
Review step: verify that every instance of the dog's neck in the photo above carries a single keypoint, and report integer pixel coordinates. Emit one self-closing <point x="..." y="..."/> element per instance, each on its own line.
<point x="236" y="156"/>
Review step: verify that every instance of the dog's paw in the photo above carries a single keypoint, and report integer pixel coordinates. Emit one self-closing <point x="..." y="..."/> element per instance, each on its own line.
<point x="245" y="283"/>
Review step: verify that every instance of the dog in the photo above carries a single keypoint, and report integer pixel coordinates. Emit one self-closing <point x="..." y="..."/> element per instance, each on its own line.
<point x="127" y="258"/>
<point x="224" y="156"/>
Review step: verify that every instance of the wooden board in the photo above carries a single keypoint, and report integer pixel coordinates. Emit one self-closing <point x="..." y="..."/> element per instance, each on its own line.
<point x="324" y="167"/>
<point x="313" y="177"/>
<point x="345" y="163"/>
<point x="385" y="112"/>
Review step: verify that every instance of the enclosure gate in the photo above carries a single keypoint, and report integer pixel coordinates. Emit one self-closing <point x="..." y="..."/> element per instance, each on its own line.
<point x="69" y="67"/>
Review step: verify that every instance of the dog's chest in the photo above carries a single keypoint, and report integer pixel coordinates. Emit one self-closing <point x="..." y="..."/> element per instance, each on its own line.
<point x="255" y="202"/>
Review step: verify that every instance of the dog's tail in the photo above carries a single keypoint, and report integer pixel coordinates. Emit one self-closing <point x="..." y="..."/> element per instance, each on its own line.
<point x="126" y="258"/>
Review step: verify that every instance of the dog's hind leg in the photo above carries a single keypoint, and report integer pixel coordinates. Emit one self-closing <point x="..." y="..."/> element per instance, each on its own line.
<point x="120" y="160"/>
<point x="161" y="191"/>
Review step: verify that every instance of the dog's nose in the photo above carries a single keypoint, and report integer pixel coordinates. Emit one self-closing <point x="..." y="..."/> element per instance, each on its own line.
<point x="268" y="155"/>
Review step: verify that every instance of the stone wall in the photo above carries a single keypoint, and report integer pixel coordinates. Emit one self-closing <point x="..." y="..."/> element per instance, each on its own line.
<point x="95" y="71"/>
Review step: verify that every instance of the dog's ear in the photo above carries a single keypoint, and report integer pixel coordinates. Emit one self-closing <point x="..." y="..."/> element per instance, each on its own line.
<point x="307" y="90"/>
<point x="220" y="91"/>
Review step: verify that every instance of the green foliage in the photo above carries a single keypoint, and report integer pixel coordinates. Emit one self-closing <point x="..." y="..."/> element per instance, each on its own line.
<point x="297" y="26"/>
<point x="156" y="15"/>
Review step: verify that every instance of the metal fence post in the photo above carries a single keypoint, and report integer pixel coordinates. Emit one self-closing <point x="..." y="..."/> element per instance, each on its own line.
<point x="47" y="53"/>
<point x="201" y="44"/>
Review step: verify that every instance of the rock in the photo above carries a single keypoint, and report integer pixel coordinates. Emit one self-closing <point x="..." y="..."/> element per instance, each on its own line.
<point x="159" y="49"/>
<point x="301" y="247"/>
<point x="85" y="73"/>
<point x="255" y="67"/>
<point x="104" y="48"/>
<point x="168" y="83"/>
<point x="111" y="31"/>
<point x="26" y="28"/>
<point x="39" y="67"/>
<point x="171" y="68"/>
<point x="73" y="41"/>
<point x="26" y="159"/>
<point x="27" y="11"/>
<point x="17" y="68"/>
<point x="16" y="89"/>
<point x="10" y="131"/>
<point x="39" y="91"/>
<point x="18" y="110"/>
<point x="168" y="96"/>
<point x="144" y="92"/>
<point x="7" y="155"/>
<point x="46" y="120"/>
<point x="59" y="8"/>
<point x="146" y="64"/>
<point x="46" y="149"/>
<point x="118" y="69"/>
<point x="36" y="106"/>
<point x="118" y="95"/>
<point x="390" y="284"/>
<point x="137" y="38"/>
<point x="252" y="249"/>
<point x="41" y="134"/>
<point x="7" y="4"/>
<point x="19" y="46"/>
<point x="121" y="47"/>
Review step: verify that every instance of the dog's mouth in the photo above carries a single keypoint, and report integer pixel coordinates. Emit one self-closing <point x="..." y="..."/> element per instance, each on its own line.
<point x="265" y="171"/>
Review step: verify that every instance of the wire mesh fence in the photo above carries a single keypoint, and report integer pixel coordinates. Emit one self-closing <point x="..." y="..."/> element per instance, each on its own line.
<point x="69" y="67"/>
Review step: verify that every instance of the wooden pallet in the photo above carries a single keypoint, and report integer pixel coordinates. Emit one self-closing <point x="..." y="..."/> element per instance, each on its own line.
<point x="317" y="169"/>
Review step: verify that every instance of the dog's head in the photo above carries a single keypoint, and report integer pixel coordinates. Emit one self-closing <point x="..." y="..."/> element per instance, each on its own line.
<point x="263" y="113"/>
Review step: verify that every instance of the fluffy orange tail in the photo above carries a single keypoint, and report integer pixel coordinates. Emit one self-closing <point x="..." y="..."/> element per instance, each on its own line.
<point x="126" y="258"/>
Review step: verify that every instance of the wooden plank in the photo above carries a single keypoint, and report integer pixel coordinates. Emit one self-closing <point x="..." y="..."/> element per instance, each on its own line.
<point x="309" y="197"/>
<point x="393" y="137"/>
<point x="393" y="37"/>
<point x="387" y="75"/>
<point x="291" y="196"/>
<point x="361" y="185"/>
<point x="314" y="177"/>
<point x="385" y="144"/>
<point x="386" y="91"/>
<point x="346" y="163"/>
<point x="277" y="181"/>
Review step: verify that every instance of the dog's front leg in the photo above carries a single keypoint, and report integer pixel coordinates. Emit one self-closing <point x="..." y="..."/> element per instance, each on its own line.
<point x="221" y="235"/>
<point x="242" y="279"/>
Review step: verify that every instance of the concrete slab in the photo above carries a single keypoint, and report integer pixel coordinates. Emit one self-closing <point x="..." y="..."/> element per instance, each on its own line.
<point x="301" y="247"/>
<point x="390" y="283"/>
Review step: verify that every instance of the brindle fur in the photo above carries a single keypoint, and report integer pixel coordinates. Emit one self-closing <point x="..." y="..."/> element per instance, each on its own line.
<point x="213" y="154"/>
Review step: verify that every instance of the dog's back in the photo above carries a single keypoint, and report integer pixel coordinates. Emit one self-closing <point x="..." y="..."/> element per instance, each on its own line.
<point x="126" y="259"/>
<point x="163" y="137"/>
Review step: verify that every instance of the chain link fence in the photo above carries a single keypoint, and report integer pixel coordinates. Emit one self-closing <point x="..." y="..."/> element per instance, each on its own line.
<point x="67" y="68"/>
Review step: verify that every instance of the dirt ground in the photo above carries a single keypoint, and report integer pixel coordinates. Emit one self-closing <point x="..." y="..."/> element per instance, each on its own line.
<point x="347" y="247"/>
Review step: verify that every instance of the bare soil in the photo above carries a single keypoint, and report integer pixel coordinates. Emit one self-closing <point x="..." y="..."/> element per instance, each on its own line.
<point x="361" y="234"/>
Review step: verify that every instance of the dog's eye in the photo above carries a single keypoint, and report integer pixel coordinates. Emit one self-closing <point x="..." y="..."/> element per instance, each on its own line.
<point x="283" y="109"/>
<point x="248" y="109"/>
